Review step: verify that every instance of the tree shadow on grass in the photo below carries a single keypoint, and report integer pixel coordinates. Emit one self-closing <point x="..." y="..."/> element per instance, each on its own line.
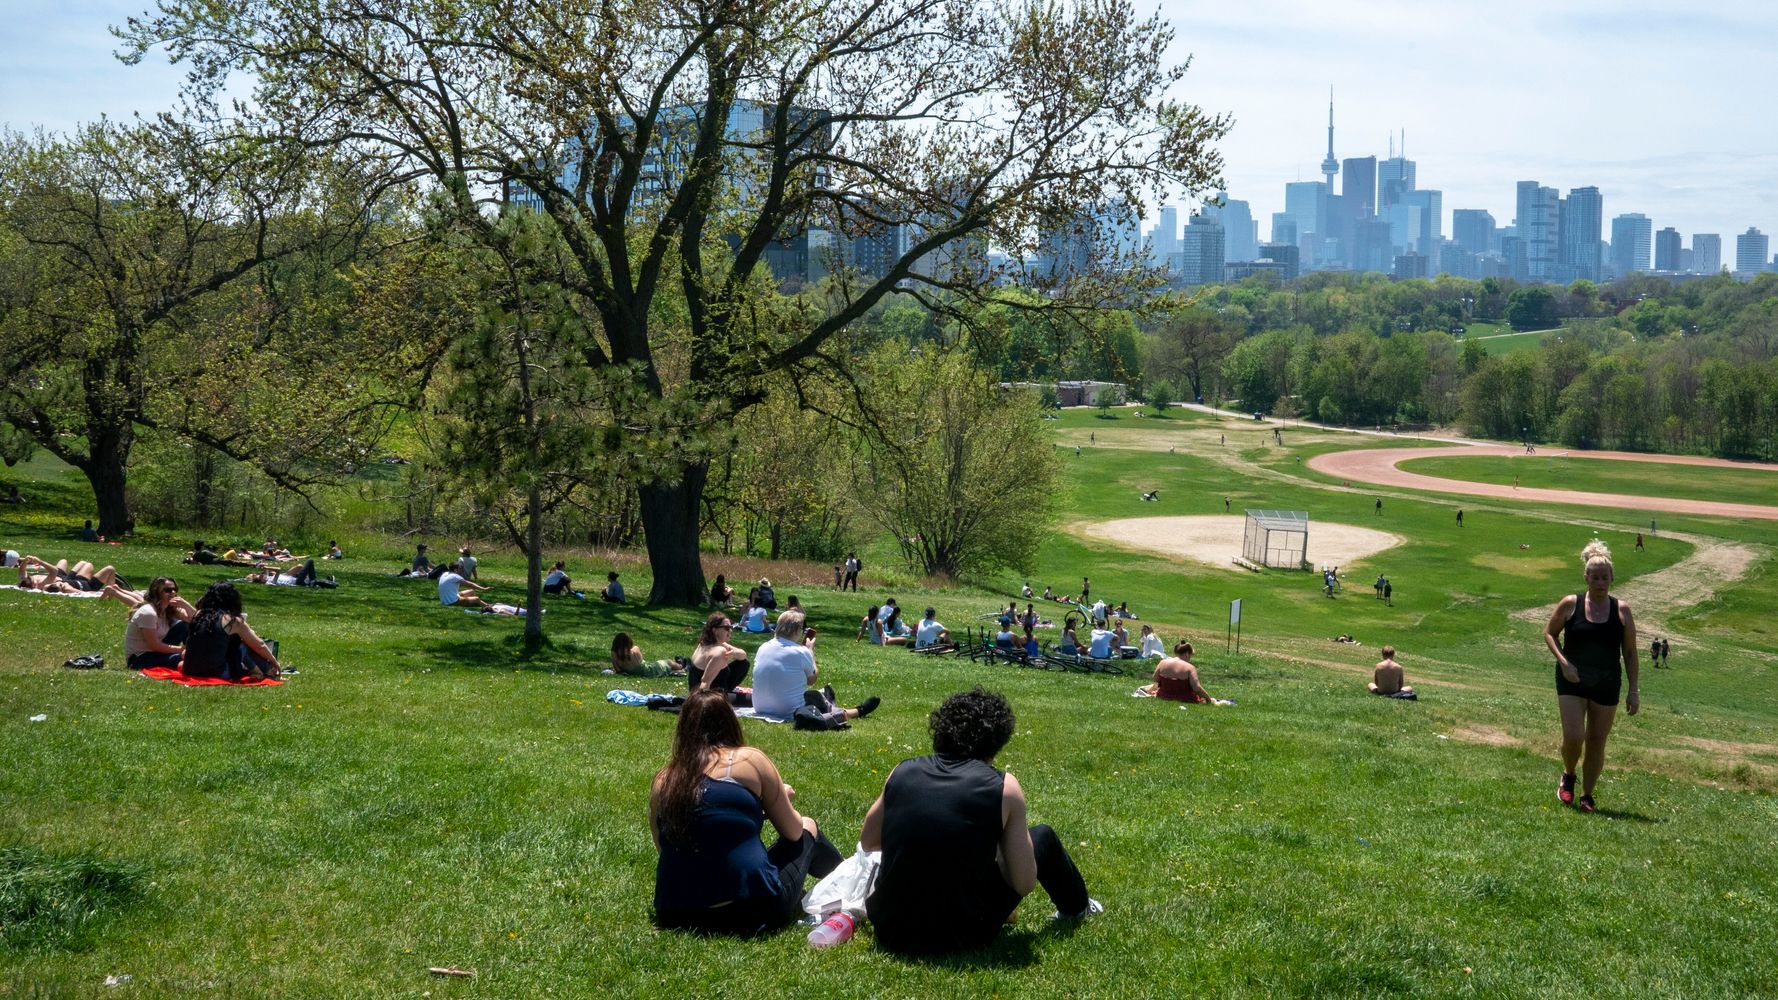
<point x="509" y="652"/>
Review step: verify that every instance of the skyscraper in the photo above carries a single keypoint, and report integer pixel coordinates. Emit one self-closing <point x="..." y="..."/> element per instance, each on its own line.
<point x="1200" y="256"/>
<point x="1395" y="177"/>
<point x="1667" y="247"/>
<point x="1473" y="228"/>
<point x="1240" y="231"/>
<point x="1752" y="251"/>
<point x="1305" y="203"/>
<point x="1540" y="213"/>
<point x="1432" y="214"/>
<point x="1163" y="239"/>
<point x="1631" y="235"/>
<point x="1706" y="252"/>
<point x="1581" y="221"/>
<point x="1283" y="228"/>
<point x="1358" y="185"/>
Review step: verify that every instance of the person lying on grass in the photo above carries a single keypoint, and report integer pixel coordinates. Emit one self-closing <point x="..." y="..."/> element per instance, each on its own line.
<point x="716" y="663"/>
<point x="220" y="642"/>
<point x="299" y="574"/>
<point x="1176" y="679"/>
<point x="453" y="589"/>
<point x="626" y="658"/>
<point x="957" y="854"/>
<point x="81" y="576"/>
<point x="1388" y="678"/>
<point x="706" y="811"/>
<point x="45" y="582"/>
<point x="202" y="554"/>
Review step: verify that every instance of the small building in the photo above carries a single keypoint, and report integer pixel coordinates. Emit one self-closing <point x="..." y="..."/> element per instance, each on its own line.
<point x="1090" y="393"/>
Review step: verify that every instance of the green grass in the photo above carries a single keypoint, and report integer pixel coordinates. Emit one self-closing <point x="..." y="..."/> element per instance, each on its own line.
<point x="424" y="793"/>
<point x="1502" y="340"/>
<point x="1560" y="472"/>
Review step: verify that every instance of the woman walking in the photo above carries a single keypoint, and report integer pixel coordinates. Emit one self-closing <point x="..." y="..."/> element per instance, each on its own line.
<point x="1593" y="638"/>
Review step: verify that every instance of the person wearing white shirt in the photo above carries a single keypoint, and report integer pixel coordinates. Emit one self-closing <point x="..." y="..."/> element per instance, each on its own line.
<point x="1100" y="646"/>
<point x="1151" y="644"/>
<point x="1098" y="612"/>
<point x="557" y="581"/>
<point x="784" y="671"/>
<point x="451" y="590"/>
<point x="754" y="619"/>
<point x="931" y="633"/>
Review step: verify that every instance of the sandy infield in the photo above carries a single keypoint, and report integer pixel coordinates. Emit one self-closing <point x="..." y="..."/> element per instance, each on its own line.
<point x="1216" y="541"/>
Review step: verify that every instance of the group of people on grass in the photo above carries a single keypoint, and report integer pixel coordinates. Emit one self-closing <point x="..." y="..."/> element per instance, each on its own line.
<point x="209" y="639"/>
<point x="957" y="855"/>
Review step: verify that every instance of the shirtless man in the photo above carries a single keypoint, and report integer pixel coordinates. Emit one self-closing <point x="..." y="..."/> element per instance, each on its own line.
<point x="1388" y="678"/>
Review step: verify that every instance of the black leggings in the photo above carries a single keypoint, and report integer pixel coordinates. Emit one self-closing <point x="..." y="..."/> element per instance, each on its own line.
<point x="176" y="634"/>
<point x="726" y="679"/>
<point x="795" y="860"/>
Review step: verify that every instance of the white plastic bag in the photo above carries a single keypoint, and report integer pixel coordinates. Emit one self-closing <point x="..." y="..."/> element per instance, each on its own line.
<point x="846" y="887"/>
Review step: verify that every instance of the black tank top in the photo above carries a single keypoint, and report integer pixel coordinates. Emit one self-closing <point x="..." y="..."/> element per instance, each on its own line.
<point x="209" y="649"/>
<point x="1595" y="648"/>
<point x="940" y="887"/>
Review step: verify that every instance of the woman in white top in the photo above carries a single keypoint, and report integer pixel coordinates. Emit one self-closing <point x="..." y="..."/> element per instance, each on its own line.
<point x="155" y="636"/>
<point x="1151" y="644"/>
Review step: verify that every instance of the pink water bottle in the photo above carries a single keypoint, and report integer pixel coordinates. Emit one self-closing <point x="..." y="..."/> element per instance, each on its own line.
<point x="837" y="929"/>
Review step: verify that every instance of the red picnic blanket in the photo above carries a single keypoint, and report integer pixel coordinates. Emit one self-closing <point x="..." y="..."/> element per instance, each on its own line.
<point x="169" y="674"/>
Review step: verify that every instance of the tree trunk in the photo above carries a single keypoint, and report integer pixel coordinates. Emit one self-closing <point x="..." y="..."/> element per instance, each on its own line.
<point x="670" y="527"/>
<point x="777" y="539"/>
<point x="105" y="469"/>
<point x="533" y="569"/>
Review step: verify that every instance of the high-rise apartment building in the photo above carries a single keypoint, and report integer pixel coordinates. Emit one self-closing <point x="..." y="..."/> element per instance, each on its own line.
<point x="1200" y="256"/>
<point x="1706" y="252"/>
<point x="1667" y="249"/>
<point x="1631" y="236"/>
<point x="1538" y="222"/>
<point x="1752" y="251"/>
<point x="1581" y="220"/>
<point x="1286" y="255"/>
<point x="1473" y="229"/>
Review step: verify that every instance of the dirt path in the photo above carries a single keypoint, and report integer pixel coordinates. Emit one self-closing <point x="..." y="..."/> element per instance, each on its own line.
<point x="1378" y="466"/>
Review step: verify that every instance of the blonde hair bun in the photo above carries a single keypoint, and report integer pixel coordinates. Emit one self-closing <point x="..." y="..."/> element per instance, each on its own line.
<point x="1595" y="553"/>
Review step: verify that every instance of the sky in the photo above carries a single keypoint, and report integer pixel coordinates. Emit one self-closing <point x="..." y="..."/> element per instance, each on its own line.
<point x="1660" y="106"/>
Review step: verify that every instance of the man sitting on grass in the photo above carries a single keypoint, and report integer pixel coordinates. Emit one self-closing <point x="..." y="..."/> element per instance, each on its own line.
<point x="453" y="589"/>
<point x="1388" y="678"/>
<point x="930" y="634"/>
<point x="614" y="591"/>
<point x="957" y="853"/>
<point x="784" y="673"/>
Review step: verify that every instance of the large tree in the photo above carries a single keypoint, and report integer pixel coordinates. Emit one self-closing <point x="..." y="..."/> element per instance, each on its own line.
<point x="136" y="290"/>
<point x="674" y="144"/>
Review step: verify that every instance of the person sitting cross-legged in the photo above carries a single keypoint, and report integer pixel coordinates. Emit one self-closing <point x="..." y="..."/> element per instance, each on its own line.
<point x="957" y="853"/>
<point x="221" y="644"/>
<point x="1388" y="678"/>
<point x="717" y="663"/>
<point x="453" y="589"/>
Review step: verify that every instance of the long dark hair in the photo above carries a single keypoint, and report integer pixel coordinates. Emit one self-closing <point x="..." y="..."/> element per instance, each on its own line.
<point x="157" y="589"/>
<point x="220" y="599"/>
<point x="708" y="636"/>
<point x="706" y="724"/>
<point x="621" y="644"/>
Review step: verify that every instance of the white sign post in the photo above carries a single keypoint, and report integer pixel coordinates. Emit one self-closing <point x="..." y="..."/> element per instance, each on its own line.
<point x="1234" y="624"/>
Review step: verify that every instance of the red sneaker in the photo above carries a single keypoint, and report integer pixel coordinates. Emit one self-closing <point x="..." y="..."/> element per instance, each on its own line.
<point x="1565" y="790"/>
<point x="1586" y="804"/>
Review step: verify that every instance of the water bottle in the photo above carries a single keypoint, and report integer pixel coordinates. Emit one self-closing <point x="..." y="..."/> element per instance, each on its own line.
<point x="837" y="929"/>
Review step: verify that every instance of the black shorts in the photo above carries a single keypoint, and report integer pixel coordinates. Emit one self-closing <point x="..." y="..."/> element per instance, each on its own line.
<point x="1600" y="687"/>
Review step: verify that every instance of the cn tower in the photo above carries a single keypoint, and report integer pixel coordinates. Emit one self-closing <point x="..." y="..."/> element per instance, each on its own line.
<point x="1330" y="166"/>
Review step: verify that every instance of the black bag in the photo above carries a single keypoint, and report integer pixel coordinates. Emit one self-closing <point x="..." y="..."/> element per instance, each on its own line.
<point x="813" y="719"/>
<point x="91" y="661"/>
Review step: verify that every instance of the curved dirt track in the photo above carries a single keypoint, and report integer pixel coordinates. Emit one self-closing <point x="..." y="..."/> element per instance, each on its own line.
<point x="1378" y="467"/>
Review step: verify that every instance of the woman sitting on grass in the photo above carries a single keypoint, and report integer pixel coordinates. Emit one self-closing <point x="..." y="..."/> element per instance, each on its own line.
<point x="1176" y="679"/>
<point x="626" y="658"/>
<point x="157" y="629"/>
<point x="895" y="631"/>
<point x="716" y="663"/>
<point x="871" y="627"/>
<point x="706" y="811"/>
<point x="221" y="644"/>
<point x="1070" y="644"/>
<point x="720" y="592"/>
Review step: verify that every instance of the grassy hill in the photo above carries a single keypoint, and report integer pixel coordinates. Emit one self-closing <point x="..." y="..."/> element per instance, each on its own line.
<point x="422" y="793"/>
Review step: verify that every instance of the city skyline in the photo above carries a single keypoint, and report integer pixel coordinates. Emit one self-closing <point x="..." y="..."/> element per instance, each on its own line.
<point x="1598" y="94"/>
